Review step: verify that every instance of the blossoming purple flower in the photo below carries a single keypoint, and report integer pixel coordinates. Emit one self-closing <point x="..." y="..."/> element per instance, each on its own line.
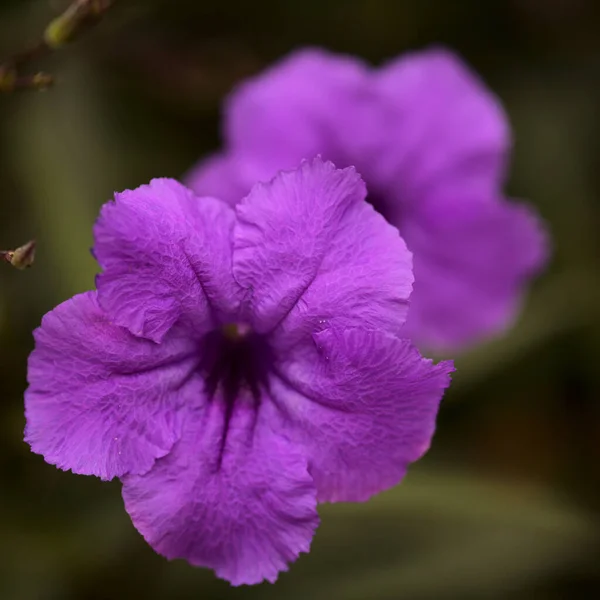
<point x="432" y="145"/>
<point x="237" y="365"/>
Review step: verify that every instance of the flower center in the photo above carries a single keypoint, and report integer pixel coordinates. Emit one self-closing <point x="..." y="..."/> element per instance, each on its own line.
<point x="235" y="360"/>
<point x="235" y="331"/>
<point x="235" y="364"/>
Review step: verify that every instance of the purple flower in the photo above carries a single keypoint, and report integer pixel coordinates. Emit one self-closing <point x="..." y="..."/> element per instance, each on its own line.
<point x="237" y="365"/>
<point x="432" y="144"/>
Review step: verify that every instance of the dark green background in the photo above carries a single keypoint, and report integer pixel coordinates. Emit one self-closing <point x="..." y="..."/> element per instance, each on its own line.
<point x="506" y="503"/>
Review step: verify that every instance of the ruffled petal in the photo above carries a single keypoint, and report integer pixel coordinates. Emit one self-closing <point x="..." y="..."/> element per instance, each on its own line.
<point x="234" y="495"/>
<point x="310" y="251"/>
<point x="473" y="261"/>
<point x="363" y="404"/>
<point x="165" y="254"/>
<point x="101" y="401"/>
<point x="444" y="129"/>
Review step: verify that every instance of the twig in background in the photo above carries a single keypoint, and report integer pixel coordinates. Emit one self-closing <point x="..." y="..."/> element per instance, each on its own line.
<point x="77" y="18"/>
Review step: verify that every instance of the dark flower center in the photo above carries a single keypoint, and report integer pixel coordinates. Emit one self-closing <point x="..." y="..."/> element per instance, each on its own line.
<point x="235" y="359"/>
<point x="235" y="365"/>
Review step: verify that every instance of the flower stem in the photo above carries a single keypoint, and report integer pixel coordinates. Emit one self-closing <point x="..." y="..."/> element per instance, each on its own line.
<point x="79" y="16"/>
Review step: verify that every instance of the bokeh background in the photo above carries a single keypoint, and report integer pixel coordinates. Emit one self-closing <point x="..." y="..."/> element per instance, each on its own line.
<point x="506" y="503"/>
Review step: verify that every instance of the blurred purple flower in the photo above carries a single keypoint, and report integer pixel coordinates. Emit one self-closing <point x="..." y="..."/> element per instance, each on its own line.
<point x="237" y="365"/>
<point x="432" y="144"/>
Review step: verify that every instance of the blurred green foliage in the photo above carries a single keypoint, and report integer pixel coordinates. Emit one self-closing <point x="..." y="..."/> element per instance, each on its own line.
<point x="506" y="503"/>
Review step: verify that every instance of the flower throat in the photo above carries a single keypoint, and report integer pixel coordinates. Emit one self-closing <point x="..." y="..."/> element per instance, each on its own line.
<point x="235" y="365"/>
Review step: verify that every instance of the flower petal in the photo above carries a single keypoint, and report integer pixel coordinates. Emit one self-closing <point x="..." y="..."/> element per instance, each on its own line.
<point x="472" y="261"/>
<point x="219" y="176"/>
<point x="101" y="401"/>
<point x="165" y="254"/>
<point x="309" y="250"/>
<point x="287" y="113"/>
<point x="296" y="110"/>
<point x="363" y="404"/>
<point x="445" y="130"/>
<point x="243" y="505"/>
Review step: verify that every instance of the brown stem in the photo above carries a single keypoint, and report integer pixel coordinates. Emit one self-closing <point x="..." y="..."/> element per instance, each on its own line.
<point x="79" y="16"/>
<point x="35" y="52"/>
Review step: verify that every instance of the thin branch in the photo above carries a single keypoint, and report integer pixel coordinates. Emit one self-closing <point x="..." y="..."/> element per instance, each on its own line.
<point x="77" y="18"/>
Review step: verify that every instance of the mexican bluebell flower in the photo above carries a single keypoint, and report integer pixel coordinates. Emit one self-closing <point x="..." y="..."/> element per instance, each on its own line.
<point x="432" y="144"/>
<point x="235" y="366"/>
